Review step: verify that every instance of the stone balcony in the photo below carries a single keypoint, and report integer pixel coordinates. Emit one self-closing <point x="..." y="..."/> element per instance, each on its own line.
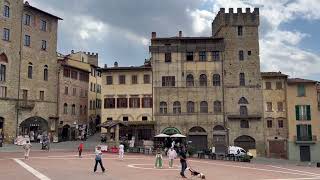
<point x="26" y="105"/>
<point x="305" y="139"/>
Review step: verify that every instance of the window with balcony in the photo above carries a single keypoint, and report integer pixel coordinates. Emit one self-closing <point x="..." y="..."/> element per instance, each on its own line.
<point x="304" y="132"/>
<point x="163" y="108"/>
<point x="109" y="103"/>
<point x="176" y="107"/>
<point x="303" y="112"/>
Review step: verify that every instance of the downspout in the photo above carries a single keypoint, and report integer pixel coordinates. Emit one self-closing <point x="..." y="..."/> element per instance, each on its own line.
<point x="19" y="73"/>
<point x="223" y="102"/>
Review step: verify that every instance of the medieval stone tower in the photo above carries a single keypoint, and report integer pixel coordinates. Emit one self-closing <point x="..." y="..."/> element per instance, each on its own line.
<point x="243" y="104"/>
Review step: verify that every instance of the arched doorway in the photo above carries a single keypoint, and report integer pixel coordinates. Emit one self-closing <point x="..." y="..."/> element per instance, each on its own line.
<point x="1" y="124"/>
<point x="171" y="130"/>
<point x="198" y="137"/>
<point x="246" y="142"/>
<point x="66" y="132"/>
<point x="34" y="126"/>
<point x="219" y="139"/>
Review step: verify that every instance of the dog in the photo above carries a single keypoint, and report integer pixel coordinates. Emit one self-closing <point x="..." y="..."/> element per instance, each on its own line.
<point x="196" y="173"/>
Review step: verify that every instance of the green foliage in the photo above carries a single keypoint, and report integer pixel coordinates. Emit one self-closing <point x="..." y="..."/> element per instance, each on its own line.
<point x="191" y="150"/>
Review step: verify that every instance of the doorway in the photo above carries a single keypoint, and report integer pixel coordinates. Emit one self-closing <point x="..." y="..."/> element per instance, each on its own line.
<point x="305" y="153"/>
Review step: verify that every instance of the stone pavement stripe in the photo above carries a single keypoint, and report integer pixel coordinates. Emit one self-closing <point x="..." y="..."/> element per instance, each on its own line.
<point x="304" y="172"/>
<point x="252" y="168"/>
<point x="31" y="170"/>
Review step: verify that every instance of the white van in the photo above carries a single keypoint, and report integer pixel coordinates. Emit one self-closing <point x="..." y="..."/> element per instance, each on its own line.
<point x="237" y="151"/>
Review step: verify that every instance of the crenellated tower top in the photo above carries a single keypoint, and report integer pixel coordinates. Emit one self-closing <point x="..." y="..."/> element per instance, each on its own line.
<point x="238" y="18"/>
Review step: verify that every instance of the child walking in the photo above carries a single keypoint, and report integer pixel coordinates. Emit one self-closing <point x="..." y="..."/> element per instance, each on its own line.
<point x="172" y="154"/>
<point x="121" y="151"/>
<point x="27" y="147"/>
<point x="80" y="148"/>
<point x="158" y="163"/>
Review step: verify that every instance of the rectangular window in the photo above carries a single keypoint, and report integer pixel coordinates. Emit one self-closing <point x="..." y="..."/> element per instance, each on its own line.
<point x="74" y="91"/>
<point x="168" y="81"/>
<point x="167" y="57"/>
<point x="42" y="95"/>
<point x="27" y="19"/>
<point x="215" y="56"/>
<point x="6" y="11"/>
<point x="25" y="94"/>
<point x="43" y="25"/>
<point x="134" y="79"/>
<point x="146" y="79"/>
<point x="74" y="74"/>
<point x="249" y="53"/>
<point x="109" y="80"/>
<point x="147" y="102"/>
<point x="6" y="34"/>
<point x="278" y="85"/>
<point x="94" y="105"/>
<point x="66" y="90"/>
<point x="2" y="73"/>
<point x="44" y="45"/>
<point x="301" y="90"/>
<point x="241" y="56"/>
<point x="189" y="56"/>
<point x="66" y="72"/>
<point x="26" y="40"/>
<point x="125" y="118"/>
<point x="109" y="103"/>
<point x="304" y="132"/>
<point x="280" y="123"/>
<point x="94" y="87"/>
<point x="303" y="112"/>
<point x="280" y="106"/>
<point x="30" y="71"/>
<point x="240" y="30"/>
<point x="109" y="118"/>
<point x="122" y="103"/>
<point x="3" y="92"/>
<point x="269" y="123"/>
<point x="268" y="85"/>
<point x="122" y="79"/>
<point x="242" y="79"/>
<point x="202" y="56"/>
<point x="134" y="102"/>
<point x="269" y="106"/>
<point x="144" y="118"/>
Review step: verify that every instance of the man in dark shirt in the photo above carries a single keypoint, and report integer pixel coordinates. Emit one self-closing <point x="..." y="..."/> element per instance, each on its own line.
<point x="183" y="161"/>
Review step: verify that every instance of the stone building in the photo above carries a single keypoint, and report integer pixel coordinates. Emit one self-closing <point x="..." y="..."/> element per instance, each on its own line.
<point x="304" y="120"/>
<point x="209" y="88"/>
<point x="73" y="88"/>
<point x="127" y="96"/>
<point x="275" y="113"/>
<point x="28" y="91"/>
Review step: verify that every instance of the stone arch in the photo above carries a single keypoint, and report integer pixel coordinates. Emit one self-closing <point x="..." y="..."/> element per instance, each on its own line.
<point x="198" y="138"/>
<point x="243" y="100"/>
<point x="129" y="116"/>
<point x="197" y="129"/>
<point x="218" y="128"/>
<point x="66" y="132"/>
<point x="219" y="139"/>
<point x="3" y="58"/>
<point x="171" y="131"/>
<point x="246" y="142"/>
<point x="36" y="124"/>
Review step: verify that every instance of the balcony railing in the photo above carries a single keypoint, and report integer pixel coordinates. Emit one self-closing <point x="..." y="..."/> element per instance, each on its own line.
<point x="25" y="104"/>
<point x="305" y="139"/>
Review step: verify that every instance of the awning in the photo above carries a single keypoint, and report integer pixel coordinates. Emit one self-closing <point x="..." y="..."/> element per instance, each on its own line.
<point x="178" y="136"/>
<point x="161" y="136"/>
<point x="110" y="124"/>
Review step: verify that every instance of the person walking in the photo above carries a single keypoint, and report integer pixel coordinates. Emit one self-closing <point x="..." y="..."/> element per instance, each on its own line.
<point x="80" y="148"/>
<point x="158" y="163"/>
<point x="121" y="151"/>
<point x="183" y="161"/>
<point x="172" y="154"/>
<point x="27" y="147"/>
<point x="98" y="159"/>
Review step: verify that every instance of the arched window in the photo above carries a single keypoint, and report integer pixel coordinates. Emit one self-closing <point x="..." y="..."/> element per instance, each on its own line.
<point x="45" y="73"/>
<point x="176" y="107"/>
<point x="203" y="80"/>
<point x="65" y="108"/>
<point x="243" y="111"/>
<point x="216" y="80"/>
<point x="80" y="112"/>
<point x="6" y="9"/>
<point x="163" y="108"/>
<point x="190" y="107"/>
<point x="217" y="106"/>
<point x="73" y="110"/>
<point x="190" y="80"/>
<point x="203" y="107"/>
<point x="3" y="69"/>
<point x="243" y="100"/>
<point x="30" y="70"/>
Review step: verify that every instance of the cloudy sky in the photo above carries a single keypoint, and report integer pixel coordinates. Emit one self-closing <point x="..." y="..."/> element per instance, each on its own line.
<point x="120" y="30"/>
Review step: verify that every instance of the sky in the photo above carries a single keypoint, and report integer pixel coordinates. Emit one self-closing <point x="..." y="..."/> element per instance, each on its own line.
<point x="120" y="30"/>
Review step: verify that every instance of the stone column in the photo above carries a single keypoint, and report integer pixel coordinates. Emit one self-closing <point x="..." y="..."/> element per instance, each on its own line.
<point x="116" y="132"/>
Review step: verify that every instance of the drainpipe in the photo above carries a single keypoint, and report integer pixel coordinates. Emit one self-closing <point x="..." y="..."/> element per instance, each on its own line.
<point x="223" y="101"/>
<point x="19" y="73"/>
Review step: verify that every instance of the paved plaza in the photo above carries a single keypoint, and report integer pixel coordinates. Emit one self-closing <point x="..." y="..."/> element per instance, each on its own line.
<point x="63" y="165"/>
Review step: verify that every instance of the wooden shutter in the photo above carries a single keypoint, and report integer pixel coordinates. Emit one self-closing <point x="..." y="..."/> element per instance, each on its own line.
<point x="297" y="113"/>
<point x="310" y="131"/>
<point x="308" y="112"/>
<point x="298" y="131"/>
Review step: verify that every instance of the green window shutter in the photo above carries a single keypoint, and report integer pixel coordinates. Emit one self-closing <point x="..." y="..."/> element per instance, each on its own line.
<point x="298" y="131"/>
<point x="308" y="112"/>
<point x="310" y="132"/>
<point x="297" y="113"/>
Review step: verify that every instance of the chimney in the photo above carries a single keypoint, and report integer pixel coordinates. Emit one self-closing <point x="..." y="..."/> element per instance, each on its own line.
<point x="105" y="66"/>
<point x="72" y="51"/>
<point x="180" y="34"/>
<point x="153" y="35"/>
<point x="115" y="64"/>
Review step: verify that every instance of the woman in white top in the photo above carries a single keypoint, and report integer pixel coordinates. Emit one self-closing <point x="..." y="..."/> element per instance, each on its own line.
<point x="121" y="151"/>
<point x="172" y="154"/>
